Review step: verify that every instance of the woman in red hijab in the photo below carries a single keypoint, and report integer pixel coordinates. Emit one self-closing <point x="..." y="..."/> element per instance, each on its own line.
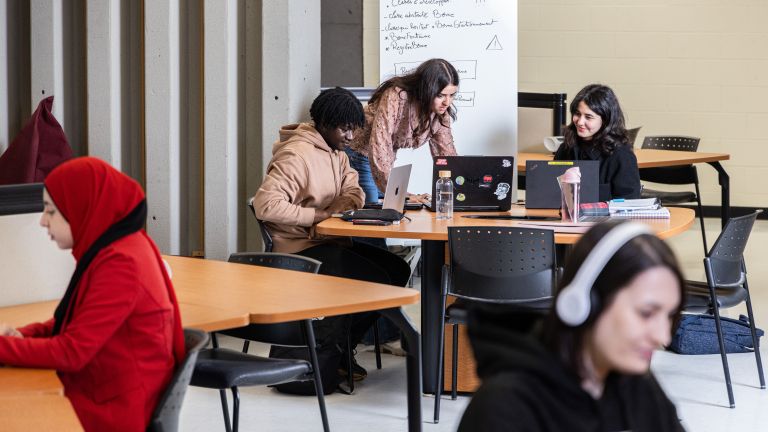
<point x="115" y="338"/>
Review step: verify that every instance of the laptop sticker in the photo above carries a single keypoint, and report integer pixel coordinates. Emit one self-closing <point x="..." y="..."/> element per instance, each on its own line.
<point x="502" y="189"/>
<point x="460" y="197"/>
<point x="441" y="161"/>
<point x="486" y="181"/>
<point x="506" y="163"/>
<point x="459" y="180"/>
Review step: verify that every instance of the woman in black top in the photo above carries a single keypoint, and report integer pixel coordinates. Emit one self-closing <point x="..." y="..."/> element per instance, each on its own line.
<point x="597" y="132"/>
<point x="583" y="369"/>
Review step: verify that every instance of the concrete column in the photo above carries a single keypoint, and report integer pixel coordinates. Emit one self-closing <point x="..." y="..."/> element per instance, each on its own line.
<point x="253" y="129"/>
<point x="103" y="67"/>
<point x="46" y="49"/>
<point x="161" y="61"/>
<point x="291" y="55"/>
<point x="5" y="138"/>
<point x="220" y="108"/>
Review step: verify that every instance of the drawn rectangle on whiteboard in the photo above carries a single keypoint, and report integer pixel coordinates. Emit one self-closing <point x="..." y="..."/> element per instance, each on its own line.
<point x="467" y="69"/>
<point x="464" y="99"/>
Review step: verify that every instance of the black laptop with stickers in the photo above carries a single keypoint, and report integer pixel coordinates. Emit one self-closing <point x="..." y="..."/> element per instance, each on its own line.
<point x="480" y="183"/>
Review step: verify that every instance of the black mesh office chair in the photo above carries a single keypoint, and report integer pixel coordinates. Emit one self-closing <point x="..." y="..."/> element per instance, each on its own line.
<point x="166" y="415"/>
<point x="503" y="265"/>
<point x="222" y="369"/>
<point x="726" y="286"/>
<point x="268" y="244"/>
<point x="676" y="175"/>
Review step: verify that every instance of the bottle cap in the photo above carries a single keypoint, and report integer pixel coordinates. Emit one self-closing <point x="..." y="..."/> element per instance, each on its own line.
<point x="445" y="173"/>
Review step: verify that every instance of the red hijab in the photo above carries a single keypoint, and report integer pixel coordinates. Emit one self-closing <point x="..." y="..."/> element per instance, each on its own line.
<point x="92" y="196"/>
<point x="39" y="147"/>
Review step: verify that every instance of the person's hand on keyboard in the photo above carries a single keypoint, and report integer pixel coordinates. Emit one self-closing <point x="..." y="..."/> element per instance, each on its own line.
<point x="420" y="198"/>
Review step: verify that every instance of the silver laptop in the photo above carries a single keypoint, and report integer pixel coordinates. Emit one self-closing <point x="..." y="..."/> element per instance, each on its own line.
<point x="397" y="188"/>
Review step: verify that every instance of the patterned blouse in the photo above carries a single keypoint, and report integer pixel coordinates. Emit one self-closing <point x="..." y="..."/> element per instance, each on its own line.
<point x="390" y="124"/>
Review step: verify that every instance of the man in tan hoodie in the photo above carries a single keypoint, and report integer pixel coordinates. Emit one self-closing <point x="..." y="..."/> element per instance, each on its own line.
<point x="308" y="179"/>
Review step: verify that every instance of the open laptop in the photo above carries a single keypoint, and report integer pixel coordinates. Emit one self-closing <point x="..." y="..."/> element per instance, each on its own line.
<point x="542" y="190"/>
<point x="397" y="190"/>
<point x="480" y="183"/>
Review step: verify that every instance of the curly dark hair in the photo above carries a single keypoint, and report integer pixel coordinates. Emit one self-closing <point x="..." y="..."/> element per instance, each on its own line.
<point x="641" y="253"/>
<point x="423" y="85"/>
<point x="602" y="100"/>
<point x="337" y="107"/>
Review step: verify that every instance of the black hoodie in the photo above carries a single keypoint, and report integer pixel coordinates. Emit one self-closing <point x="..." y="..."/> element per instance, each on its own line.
<point x="527" y="388"/>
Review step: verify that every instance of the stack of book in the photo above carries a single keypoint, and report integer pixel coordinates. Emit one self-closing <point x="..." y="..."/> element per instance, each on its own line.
<point x="648" y="208"/>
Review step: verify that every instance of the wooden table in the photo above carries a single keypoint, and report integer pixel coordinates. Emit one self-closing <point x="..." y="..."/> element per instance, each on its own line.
<point x="651" y="158"/>
<point x="33" y="399"/>
<point x="39" y="412"/>
<point x="215" y="295"/>
<point x="434" y="235"/>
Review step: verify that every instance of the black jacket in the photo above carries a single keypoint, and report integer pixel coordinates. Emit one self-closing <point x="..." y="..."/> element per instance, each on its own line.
<point x="526" y="388"/>
<point x="619" y="175"/>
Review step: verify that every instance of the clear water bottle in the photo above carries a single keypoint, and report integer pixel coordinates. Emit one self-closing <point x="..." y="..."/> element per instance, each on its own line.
<point x="444" y="191"/>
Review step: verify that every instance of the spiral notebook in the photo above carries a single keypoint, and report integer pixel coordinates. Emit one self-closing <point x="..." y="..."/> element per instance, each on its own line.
<point x="659" y="213"/>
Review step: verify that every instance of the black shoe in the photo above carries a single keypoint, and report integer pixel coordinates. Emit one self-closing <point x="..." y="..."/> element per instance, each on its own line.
<point x="358" y="372"/>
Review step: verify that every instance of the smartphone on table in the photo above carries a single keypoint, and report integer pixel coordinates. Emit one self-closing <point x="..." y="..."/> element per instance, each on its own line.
<point x="370" y="222"/>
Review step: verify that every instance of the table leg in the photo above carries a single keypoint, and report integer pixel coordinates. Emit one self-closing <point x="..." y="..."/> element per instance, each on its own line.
<point x="413" y="364"/>
<point x="309" y="336"/>
<point x="725" y="192"/>
<point x="432" y="260"/>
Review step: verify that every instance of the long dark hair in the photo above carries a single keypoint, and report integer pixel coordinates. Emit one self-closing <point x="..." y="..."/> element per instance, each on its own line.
<point x="603" y="102"/>
<point x="423" y="85"/>
<point x="636" y="256"/>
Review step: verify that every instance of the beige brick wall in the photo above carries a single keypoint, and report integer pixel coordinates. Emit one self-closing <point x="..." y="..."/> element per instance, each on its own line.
<point x="688" y="67"/>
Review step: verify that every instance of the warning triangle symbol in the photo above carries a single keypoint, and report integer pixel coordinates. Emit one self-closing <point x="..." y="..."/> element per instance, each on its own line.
<point x="494" y="45"/>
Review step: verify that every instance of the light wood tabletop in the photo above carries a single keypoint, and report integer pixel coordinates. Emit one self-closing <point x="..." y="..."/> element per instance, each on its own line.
<point x="270" y="295"/>
<point x="424" y="226"/>
<point x="33" y="400"/>
<point x="40" y="412"/>
<point x="27" y="381"/>
<point x="216" y="295"/>
<point x="646" y="158"/>
<point x="203" y="317"/>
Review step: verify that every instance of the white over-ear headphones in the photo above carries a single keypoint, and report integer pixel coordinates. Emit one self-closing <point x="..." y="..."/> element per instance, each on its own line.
<point x="574" y="303"/>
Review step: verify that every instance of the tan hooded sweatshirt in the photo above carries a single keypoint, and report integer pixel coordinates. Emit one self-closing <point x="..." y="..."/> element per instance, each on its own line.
<point x="304" y="174"/>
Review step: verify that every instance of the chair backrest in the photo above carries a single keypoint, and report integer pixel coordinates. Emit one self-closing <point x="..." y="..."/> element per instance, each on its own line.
<point x="277" y="260"/>
<point x="632" y="135"/>
<point x="502" y="264"/>
<point x="265" y="235"/>
<point x="290" y="333"/>
<point x="725" y="262"/>
<point x="664" y="142"/>
<point x="677" y="175"/>
<point x="166" y="415"/>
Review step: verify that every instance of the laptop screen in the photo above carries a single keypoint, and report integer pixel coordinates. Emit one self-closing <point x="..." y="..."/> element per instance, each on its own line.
<point x="542" y="190"/>
<point x="480" y="183"/>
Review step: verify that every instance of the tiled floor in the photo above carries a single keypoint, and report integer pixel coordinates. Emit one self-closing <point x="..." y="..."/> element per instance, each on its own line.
<point x="694" y="383"/>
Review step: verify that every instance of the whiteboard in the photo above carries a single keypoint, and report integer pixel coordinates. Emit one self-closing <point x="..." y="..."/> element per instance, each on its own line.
<point x="479" y="37"/>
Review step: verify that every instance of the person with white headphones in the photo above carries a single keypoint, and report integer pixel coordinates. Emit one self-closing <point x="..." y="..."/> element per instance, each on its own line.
<point x="585" y="366"/>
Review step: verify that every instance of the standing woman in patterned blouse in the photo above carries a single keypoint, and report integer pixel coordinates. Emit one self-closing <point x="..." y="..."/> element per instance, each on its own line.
<point x="405" y="112"/>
